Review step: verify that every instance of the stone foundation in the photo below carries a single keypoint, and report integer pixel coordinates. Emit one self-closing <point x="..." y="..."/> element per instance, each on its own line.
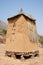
<point x="20" y="55"/>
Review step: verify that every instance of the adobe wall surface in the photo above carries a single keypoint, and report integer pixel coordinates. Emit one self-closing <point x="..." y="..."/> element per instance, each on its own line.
<point x="18" y="37"/>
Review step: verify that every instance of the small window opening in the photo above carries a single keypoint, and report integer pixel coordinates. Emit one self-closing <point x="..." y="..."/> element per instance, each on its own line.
<point x="36" y="55"/>
<point x="18" y="56"/>
<point x="27" y="57"/>
<point x="9" y="54"/>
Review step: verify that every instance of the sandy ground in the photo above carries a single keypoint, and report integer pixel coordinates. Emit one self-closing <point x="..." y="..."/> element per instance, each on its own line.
<point x="11" y="61"/>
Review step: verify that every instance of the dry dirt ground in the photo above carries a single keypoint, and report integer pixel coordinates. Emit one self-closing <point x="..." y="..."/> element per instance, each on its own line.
<point x="11" y="61"/>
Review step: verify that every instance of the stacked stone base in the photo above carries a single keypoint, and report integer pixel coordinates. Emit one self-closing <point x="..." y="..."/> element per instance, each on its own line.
<point x="22" y="55"/>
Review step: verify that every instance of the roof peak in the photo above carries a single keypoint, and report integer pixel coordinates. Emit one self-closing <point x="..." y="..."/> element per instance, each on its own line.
<point x="23" y="13"/>
<point x="21" y="10"/>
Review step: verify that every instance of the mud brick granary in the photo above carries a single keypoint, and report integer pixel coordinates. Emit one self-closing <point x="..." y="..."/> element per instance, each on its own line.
<point x="21" y="39"/>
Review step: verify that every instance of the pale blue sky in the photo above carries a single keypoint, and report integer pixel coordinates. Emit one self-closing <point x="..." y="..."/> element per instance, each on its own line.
<point x="9" y="8"/>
